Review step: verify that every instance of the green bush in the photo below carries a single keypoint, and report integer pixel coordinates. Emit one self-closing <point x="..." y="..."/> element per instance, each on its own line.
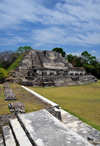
<point x="3" y="73"/>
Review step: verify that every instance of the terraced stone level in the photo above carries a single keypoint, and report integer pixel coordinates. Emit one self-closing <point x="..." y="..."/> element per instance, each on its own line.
<point x="44" y="129"/>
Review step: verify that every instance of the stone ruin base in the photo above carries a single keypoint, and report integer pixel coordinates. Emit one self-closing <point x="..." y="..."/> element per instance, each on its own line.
<point x="17" y="107"/>
<point x="9" y="94"/>
<point x="57" y="81"/>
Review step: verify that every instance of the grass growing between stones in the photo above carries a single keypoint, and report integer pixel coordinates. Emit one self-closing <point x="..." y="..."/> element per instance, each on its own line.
<point x="82" y="101"/>
<point x="16" y="63"/>
<point x="29" y="100"/>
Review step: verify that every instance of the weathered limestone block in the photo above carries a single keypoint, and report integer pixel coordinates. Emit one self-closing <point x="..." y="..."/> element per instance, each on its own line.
<point x="9" y="94"/>
<point x="64" y="60"/>
<point x="35" y="59"/>
<point x="19" y="74"/>
<point x="51" y="60"/>
<point x="17" y="107"/>
<point x="4" y="119"/>
<point x="26" y="62"/>
<point x="26" y="82"/>
<point x="55" y="112"/>
<point x="44" y="129"/>
<point x="54" y="65"/>
<point x="14" y="80"/>
<point x="47" y="81"/>
<point x="52" y="55"/>
<point x="62" y="81"/>
<point x="6" y="85"/>
<point x="87" y="79"/>
<point x="69" y="65"/>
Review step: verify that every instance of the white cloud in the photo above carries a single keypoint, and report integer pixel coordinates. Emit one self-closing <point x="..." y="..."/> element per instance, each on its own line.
<point x="12" y="41"/>
<point x="93" y="51"/>
<point x="70" y="22"/>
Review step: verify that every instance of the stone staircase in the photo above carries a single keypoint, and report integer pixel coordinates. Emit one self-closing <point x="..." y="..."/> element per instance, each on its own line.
<point x="35" y="60"/>
<point x="41" y="56"/>
<point x="47" y="81"/>
<point x="39" y="129"/>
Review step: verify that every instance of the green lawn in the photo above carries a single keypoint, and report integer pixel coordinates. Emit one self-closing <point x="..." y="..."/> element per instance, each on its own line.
<point x="29" y="100"/>
<point x="82" y="101"/>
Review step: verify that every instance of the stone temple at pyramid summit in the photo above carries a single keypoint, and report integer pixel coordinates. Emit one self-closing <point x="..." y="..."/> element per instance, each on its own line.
<point x="48" y="68"/>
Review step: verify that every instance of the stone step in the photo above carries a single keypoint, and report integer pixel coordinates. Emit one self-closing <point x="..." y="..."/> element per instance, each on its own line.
<point x="44" y="129"/>
<point x="1" y="140"/>
<point x="19" y="133"/>
<point x="48" y="84"/>
<point x="8" y="136"/>
<point x="83" y="129"/>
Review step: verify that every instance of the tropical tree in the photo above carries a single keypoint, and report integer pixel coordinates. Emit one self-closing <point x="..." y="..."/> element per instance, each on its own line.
<point x="88" y="56"/>
<point x="7" y="58"/>
<point x="59" y="50"/>
<point x="20" y="50"/>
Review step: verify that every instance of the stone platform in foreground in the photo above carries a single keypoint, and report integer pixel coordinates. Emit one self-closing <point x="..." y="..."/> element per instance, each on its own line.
<point x="41" y="128"/>
<point x="44" y="129"/>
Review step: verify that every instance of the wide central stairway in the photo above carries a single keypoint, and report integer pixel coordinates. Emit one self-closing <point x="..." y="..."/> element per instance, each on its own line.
<point x="40" y="128"/>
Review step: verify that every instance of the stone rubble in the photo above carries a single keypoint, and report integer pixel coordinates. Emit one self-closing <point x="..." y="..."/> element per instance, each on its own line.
<point x="6" y="85"/>
<point x="17" y="107"/>
<point x="9" y="94"/>
<point x="4" y="119"/>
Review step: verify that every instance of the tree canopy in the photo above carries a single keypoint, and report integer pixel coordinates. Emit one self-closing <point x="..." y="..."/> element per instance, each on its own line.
<point x="88" y="56"/>
<point x="20" y="50"/>
<point x="86" y="60"/>
<point x="59" y="50"/>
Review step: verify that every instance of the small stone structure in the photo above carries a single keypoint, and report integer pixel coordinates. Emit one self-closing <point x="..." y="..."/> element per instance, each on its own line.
<point x="48" y="68"/>
<point x="17" y="107"/>
<point x="55" y="112"/>
<point x="9" y="94"/>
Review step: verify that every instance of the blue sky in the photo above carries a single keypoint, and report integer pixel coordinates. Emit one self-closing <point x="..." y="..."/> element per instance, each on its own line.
<point x="73" y="25"/>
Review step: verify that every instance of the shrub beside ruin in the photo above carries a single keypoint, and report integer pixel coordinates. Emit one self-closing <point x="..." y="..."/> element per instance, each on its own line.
<point x="3" y="74"/>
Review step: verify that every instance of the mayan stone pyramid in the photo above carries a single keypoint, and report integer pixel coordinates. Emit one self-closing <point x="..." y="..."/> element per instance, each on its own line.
<point x="48" y="68"/>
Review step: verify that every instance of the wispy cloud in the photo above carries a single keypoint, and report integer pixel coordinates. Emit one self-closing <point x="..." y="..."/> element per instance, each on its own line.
<point x="62" y="22"/>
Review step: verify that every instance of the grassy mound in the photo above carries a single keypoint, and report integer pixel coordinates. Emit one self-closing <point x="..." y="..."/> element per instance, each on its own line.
<point x="16" y="63"/>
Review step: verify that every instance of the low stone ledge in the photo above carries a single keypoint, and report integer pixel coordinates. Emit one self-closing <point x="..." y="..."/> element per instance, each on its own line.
<point x="17" y="107"/>
<point x="9" y="94"/>
<point x="42" y="98"/>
